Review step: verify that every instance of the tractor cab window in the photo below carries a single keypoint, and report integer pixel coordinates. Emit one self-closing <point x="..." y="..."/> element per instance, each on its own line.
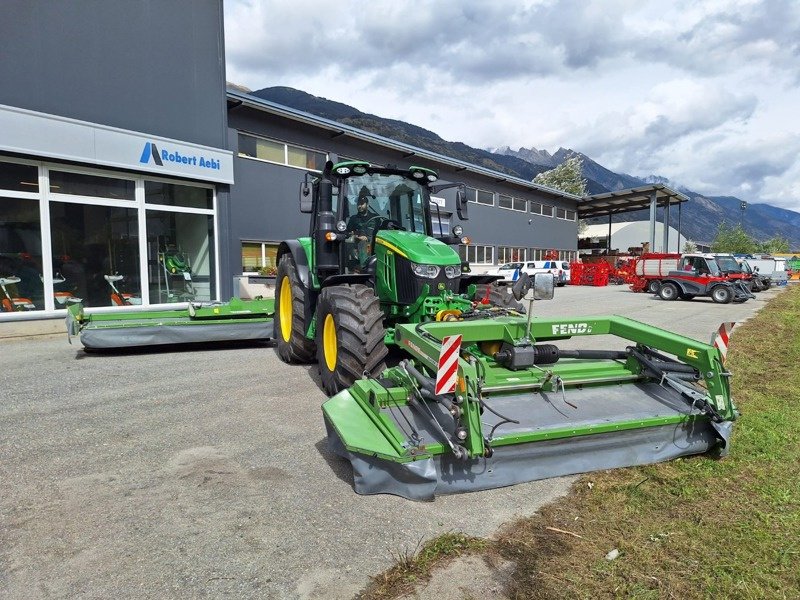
<point x="373" y="202"/>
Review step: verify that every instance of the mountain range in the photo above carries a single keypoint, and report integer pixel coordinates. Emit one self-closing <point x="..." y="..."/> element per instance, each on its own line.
<point x="700" y="216"/>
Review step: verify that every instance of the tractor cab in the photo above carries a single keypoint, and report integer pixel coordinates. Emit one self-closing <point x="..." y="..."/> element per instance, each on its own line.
<point x="356" y="207"/>
<point x="699" y="265"/>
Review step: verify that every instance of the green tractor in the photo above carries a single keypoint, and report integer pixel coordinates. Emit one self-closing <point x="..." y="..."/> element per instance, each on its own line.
<point x="371" y="261"/>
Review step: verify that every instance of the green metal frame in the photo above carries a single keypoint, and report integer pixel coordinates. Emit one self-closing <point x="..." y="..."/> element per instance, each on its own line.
<point x="360" y="414"/>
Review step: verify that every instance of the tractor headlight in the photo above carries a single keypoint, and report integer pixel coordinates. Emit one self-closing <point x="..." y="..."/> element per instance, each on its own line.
<point x="452" y="271"/>
<point x="341" y="226"/>
<point x="427" y="271"/>
<point x="458" y="230"/>
<point x="342" y="170"/>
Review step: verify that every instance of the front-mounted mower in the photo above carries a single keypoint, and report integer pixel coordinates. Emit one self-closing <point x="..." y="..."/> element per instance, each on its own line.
<point x="484" y="396"/>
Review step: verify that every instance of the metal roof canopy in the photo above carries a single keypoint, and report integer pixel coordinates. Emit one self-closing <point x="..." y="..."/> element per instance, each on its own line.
<point x="622" y="201"/>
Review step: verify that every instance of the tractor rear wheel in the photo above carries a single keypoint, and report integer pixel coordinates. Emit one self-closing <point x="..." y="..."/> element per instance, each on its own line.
<point x="721" y="294"/>
<point x="668" y="291"/>
<point x="290" y="323"/>
<point x="653" y="286"/>
<point x="349" y="336"/>
<point x="498" y="296"/>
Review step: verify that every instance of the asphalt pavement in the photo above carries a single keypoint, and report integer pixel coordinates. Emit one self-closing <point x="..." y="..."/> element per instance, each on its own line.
<point x="205" y="472"/>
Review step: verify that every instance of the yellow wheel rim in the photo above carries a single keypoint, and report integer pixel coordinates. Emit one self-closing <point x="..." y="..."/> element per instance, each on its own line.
<point x="329" y="342"/>
<point x="286" y="308"/>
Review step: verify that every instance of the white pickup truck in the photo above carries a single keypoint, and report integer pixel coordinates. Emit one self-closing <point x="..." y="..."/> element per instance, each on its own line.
<point x="510" y="271"/>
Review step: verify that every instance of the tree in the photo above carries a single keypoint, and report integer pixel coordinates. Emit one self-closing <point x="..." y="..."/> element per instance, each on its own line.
<point x="774" y="245"/>
<point x="733" y="239"/>
<point x="689" y="246"/>
<point x="567" y="177"/>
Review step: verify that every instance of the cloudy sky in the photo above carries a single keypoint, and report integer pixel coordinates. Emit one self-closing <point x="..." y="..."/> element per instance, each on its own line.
<point x="703" y="92"/>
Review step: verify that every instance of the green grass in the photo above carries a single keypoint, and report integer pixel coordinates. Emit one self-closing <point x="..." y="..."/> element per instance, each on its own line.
<point x="690" y="528"/>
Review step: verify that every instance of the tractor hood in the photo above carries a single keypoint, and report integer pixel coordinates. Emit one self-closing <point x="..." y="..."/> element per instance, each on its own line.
<point x="418" y="247"/>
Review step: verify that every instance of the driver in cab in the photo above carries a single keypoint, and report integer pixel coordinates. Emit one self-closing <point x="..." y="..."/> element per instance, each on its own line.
<point x="359" y="229"/>
<point x="358" y="224"/>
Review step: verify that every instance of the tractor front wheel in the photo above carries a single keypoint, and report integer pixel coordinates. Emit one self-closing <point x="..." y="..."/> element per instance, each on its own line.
<point x="497" y="296"/>
<point x="721" y="294"/>
<point x="349" y="336"/>
<point x="668" y="291"/>
<point x="290" y="323"/>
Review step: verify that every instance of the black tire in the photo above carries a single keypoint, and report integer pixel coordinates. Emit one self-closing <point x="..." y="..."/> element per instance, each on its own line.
<point x="653" y="286"/>
<point x="766" y="284"/>
<point x="668" y="291"/>
<point x="293" y="346"/>
<point x="353" y="314"/>
<point x="755" y="287"/>
<point x="498" y="296"/>
<point x="722" y="294"/>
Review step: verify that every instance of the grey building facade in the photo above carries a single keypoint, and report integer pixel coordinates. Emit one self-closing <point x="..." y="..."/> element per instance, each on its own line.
<point x="130" y="175"/>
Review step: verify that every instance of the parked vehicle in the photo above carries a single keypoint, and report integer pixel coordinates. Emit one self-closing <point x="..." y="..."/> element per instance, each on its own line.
<point x="508" y="272"/>
<point x="700" y="275"/>
<point x="511" y="271"/>
<point x="559" y="269"/>
<point x="771" y="268"/>
<point x="739" y="270"/>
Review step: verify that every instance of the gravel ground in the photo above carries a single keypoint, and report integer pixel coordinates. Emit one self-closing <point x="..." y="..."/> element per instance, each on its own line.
<point x="205" y="473"/>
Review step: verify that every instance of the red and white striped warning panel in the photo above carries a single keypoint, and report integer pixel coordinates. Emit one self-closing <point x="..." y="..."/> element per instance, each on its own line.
<point x="447" y="373"/>
<point x="721" y="338"/>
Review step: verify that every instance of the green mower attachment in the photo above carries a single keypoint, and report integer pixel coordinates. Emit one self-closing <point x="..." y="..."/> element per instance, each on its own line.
<point x="523" y="409"/>
<point x="236" y="320"/>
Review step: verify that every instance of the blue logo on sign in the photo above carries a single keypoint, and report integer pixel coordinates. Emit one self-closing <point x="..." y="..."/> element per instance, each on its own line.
<point x="149" y="151"/>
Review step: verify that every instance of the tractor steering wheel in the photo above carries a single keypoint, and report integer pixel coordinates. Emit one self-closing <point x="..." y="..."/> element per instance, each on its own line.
<point x="386" y="223"/>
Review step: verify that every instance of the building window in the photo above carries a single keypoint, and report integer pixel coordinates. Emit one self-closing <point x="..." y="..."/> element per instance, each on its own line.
<point x="81" y="184"/>
<point x="180" y="256"/>
<point x="96" y="253"/>
<point x="20" y="252"/>
<point x="480" y="196"/>
<point x="170" y="194"/>
<point x="547" y="210"/>
<point x="511" y="203"/>
<point x="19" y="178"/>
<point x="561" y="213"/>
<point x="477" y="254"/>
<point x="251" y="146"/>
<point x="536" y="208"/>
<point x="571" y="215"/>
<point x="259" y="258"/>
<point x="507" y="254"/>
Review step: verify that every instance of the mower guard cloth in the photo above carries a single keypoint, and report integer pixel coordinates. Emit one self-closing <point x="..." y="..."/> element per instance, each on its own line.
<point x="642" y="404"/>
<point x="130" y="336"/>
<point x="442" y="474"/>
<point x="236" y="320"/>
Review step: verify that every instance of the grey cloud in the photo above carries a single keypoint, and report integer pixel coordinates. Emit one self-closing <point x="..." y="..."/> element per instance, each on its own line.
<point x="498" y="41"/>
<point x="766" y="33"/>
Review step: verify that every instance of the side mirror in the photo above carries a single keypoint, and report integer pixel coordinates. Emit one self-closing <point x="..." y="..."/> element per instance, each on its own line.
<point x="461" y="204"/>
<point x="544" y="285"/>
<point x="306" y="199"/>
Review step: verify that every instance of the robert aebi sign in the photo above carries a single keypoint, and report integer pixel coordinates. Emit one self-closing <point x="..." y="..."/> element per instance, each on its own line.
<point x="151" y="151"/>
